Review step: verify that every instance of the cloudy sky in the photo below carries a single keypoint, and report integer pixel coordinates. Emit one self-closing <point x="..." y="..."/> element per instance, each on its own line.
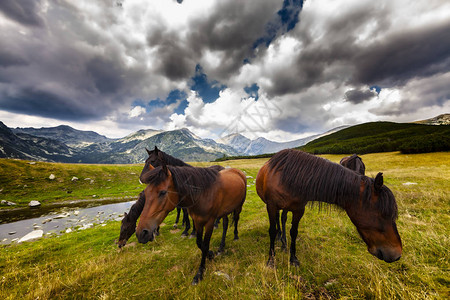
<point x="272" y="68"/>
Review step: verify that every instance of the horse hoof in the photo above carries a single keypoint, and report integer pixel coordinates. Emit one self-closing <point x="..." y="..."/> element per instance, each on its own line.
<point x="192" y="236"/>
<point x="196" y="279"/>
<point x="175" y="226"/>
<point x="184" y="234"/>
<point x="236" y="238"/>
<point x="210" y="255"/>
<point x="294" y="262"/>
<point x="284" y="249"/>
<point x="271" y="263"/>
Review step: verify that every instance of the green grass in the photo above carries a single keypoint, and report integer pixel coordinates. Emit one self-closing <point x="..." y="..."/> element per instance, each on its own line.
<point x="334" y="262"/>
<point x="22" y="181"/>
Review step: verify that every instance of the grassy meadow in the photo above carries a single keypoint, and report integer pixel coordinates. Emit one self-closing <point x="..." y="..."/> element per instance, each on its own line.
<point x="334" y="262"/>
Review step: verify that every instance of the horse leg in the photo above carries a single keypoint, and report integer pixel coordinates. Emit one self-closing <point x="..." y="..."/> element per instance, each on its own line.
<point x="216" y="223"/>
<point x="194" y="232"/>
<point x="236" y="214"/>
<point x="224" y="234"/>
<point x="283" y="230"/>
<point x="278" y="227"/>
<point x="186" y="222"/>
<point x="175" y="226"/>
<point x="272" y="212"/>
<point x="296" y="216"/>
<point x="204" y="247"/>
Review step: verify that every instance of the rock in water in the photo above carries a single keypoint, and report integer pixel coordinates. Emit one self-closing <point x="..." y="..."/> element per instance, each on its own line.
<point x="35" y="234"/>
<point x="34" y="203"/>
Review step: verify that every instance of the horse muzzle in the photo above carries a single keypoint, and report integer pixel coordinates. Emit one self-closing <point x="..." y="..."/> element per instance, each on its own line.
<point x="145" y="236"/>
<point x="387" y="255"/>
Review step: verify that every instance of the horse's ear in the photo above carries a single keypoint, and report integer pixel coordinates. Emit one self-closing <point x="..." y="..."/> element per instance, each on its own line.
<point x="148" y="151"/>
<point x="378" y="181"/>
<point x="156" y="150"/>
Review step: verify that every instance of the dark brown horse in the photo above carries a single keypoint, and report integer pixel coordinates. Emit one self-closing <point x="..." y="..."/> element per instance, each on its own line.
<point x="353" y="162"/>
<point x="207" y="193"/>
<point x="292" y="178"/>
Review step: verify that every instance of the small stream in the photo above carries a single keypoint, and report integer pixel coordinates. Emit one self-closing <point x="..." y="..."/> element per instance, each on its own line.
<point x="61" y="220"/>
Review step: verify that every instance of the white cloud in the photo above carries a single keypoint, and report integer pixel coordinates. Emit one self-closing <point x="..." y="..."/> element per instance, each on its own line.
<point x="137" y="111"/>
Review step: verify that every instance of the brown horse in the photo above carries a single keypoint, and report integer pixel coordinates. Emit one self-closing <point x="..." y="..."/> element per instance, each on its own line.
<point x="292" y="178"/>
<point x="353" y="162"/>
<point x="206" y="192"/>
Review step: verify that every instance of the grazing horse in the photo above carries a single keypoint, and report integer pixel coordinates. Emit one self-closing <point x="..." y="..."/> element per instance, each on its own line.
<point x="292" y="178"/>
<point x="207" y="193"/>
<point x="128" y="225"/>
<point x="353" y="162"/>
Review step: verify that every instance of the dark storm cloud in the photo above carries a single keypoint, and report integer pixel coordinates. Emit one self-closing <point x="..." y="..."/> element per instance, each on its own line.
<point x="359" y="96"/>
<point x="402" y="56"/>
<point x="25" y="12"/>
<point x="106" y="74"/>
<point x="338" y="56"/>
<point x="175" y="60"/>
<point x="30" y="100"/>
<point x="231" y="29"/>
<point x="8" y="59"/>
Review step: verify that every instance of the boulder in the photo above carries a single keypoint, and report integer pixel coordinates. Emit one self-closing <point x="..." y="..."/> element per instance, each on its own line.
<point x="35" y="234"/>
<point x="34" y="203"/>
<point x="4" y="202"/>
<point x="52" y="176"/>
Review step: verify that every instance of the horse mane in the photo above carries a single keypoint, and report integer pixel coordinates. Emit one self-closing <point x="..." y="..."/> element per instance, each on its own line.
<point x="306" y="176"/>
<point x="172" y="161"/>
<point x="136" y="208"/>
<point x="189" y="181"/>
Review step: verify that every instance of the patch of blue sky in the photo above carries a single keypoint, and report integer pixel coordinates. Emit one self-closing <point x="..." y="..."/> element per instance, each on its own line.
<point x="376" y="88"/>
<point x="285" y="20"/>
<point x="208" y="90"/>
<point x="252" y="91"/>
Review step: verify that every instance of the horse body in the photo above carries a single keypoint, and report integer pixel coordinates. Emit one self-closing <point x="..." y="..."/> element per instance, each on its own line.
<point x="207" y="193"/>
<point x="291" y="179"/>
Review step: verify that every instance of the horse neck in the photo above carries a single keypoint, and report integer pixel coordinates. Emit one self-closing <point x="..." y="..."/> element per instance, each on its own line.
<point x="137" y="207"/>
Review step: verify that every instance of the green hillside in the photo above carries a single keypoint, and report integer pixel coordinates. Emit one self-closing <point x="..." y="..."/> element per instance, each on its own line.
<point x="377" y="137"/>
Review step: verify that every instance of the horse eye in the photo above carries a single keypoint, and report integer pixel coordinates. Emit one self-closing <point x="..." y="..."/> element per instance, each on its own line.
<point x="162" y="193"/>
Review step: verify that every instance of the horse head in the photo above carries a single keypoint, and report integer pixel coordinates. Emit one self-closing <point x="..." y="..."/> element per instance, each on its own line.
<point x="160" y="199"/>
<point x="374" y="219"/>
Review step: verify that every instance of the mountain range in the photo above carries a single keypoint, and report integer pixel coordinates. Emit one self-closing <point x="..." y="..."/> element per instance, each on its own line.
<point x="66" y="144"/>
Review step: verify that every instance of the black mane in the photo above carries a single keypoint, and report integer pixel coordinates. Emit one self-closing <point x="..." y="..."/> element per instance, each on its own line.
<point x="314" y="178"/>
<point x="172" y="161"/>
<point x="189" y="182"/>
